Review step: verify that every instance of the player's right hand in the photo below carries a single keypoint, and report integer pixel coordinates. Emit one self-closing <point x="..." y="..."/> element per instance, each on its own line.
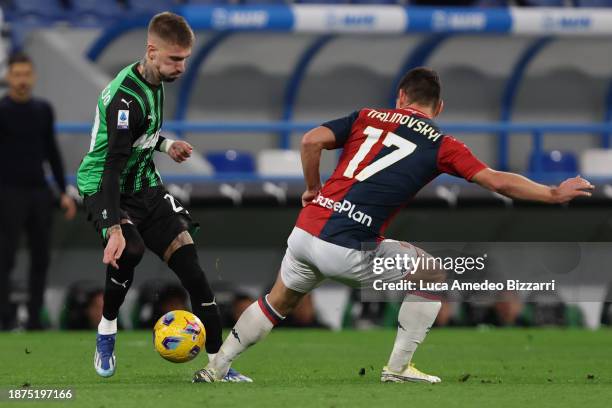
<point x="114" y="248"/>
<point x="572" y="188"/>
<point x="180" y="151"/>
<point x="308" y="196"/>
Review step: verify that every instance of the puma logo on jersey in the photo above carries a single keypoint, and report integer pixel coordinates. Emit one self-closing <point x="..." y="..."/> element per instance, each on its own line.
<point x="126" y="102"/>
<point x="213" y="303"/>
<point x="116" y="282"/>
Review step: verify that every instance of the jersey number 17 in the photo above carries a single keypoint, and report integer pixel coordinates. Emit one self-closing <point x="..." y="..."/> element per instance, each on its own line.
<point x="404" y="148"/>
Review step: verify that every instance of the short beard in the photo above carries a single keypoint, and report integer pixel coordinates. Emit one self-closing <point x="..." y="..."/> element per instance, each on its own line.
<point x="168" y="79"/>
<point x="153" y="77"/>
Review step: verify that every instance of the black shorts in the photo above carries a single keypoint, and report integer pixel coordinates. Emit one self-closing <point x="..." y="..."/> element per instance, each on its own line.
<point x="158" y="216"/>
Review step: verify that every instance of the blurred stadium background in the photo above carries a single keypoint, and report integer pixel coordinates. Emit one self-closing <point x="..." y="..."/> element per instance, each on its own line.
<point x="529" y="89"/>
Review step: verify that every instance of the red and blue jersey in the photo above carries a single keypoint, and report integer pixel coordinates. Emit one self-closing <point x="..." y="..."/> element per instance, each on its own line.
<point x="388" y="156"/>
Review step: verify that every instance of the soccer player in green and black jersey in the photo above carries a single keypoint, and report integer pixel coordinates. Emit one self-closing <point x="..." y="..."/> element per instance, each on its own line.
<point x="123" y="192"/>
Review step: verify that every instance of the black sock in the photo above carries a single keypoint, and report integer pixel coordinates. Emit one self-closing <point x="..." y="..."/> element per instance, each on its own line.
<point x="184" y="262"/>
<point x="118" y="281"/>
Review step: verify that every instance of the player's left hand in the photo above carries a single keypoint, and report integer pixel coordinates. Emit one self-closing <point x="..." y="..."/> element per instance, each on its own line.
<point x="572" y="188"/>
<point x="308" y="196"/>
<point x="68" y="205"/>
<point x="114" y="247"/>
<point x="180" y="151"/>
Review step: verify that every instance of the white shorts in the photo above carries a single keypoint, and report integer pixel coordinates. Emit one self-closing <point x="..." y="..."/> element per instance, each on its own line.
<point x="309" y="261"/>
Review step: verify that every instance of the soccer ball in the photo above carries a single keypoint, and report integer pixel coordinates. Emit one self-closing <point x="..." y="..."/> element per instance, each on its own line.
<point x="179" y="336"/>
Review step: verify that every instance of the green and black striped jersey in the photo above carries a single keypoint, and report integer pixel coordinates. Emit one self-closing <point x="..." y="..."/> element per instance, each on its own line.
<point x="124" y="136"/>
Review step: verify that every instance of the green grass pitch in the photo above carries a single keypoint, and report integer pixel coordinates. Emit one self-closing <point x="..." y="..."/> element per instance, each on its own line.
<point x="311" y="368"/>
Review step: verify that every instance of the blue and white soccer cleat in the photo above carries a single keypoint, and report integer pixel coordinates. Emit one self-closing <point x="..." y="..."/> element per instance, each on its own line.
<point x="104" y="359"/>
<point x="234" y="376"/>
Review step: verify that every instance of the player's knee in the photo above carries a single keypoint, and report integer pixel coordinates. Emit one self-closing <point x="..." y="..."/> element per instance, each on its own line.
<point x="430" y="270"/>
<point x="134" y="247"/>
<point x="436" y="275"/>
<point x="132" y="255"/>
<point x="183" y="239"/>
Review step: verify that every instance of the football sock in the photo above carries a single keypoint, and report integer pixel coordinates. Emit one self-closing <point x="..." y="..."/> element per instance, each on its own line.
<point x="253" y="325"/>
<point x="118" y="281"/>
<point x="184" y="262"/>
<point x="107" y="326"/>
<point x="416" y="316"/>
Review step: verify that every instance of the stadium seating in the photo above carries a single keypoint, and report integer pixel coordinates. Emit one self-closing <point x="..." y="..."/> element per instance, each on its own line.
<point x="263" y="2"/>
<point x="231" y="161"/>
<point x="87" y="12"/>
<point x="492" y="3"/>
<point x="375" y="2"/>
<point x="92" y="13"/>
<point x="593" y="3"/>
<point x="209" y="2"/>
<point x="323" y="1"/>
<point x="553" y="162"/>
<point x="95" y="12"/>
<point x="279" y="163"/>
<point x="38" y="11"/>
<point x="151" y="6"/>
<point x="546" y="3"/>
<point x="596" y="162"/>
<point x="195" y="166"/>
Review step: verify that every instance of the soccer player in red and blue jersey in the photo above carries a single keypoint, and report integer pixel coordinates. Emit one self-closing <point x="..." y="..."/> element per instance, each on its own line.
<point x="388" y="156"/>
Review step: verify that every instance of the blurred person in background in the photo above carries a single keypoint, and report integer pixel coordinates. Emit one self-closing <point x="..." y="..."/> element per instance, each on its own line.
<point x="502" y="308"/>
<point x="172" y="297"/>
<point x="83" y="307"/>
<point x="27" y="140"/>
<point x="158" y="298"/>
<point x="304" y="315"/>
<point x="240" y="303"/>
<point x="508" y="308"/>
<point x="93" y="311"/>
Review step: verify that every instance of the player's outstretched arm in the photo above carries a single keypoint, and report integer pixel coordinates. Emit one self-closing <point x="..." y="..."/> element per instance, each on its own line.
<point x="312" y="145"/>
<point x="519" y="187"/>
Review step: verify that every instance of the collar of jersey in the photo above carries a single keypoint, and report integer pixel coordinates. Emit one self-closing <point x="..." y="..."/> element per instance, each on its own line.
<point x="417" y="111"/>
